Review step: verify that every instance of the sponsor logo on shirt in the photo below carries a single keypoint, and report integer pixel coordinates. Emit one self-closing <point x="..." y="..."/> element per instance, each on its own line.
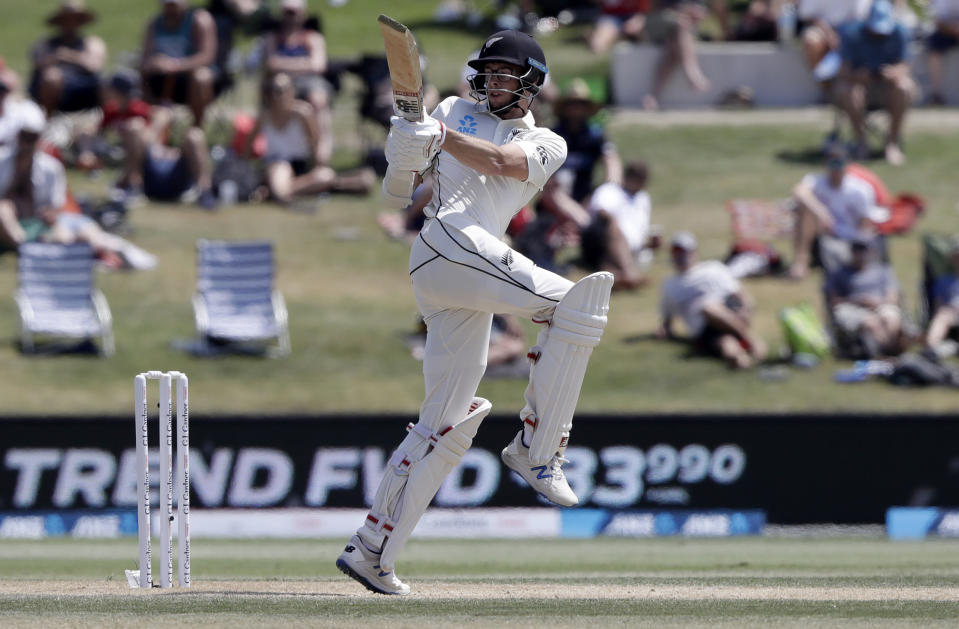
<point x="468" y="125"/>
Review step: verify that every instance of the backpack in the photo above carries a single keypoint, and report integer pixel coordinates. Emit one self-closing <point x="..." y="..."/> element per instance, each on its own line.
<point x="922" y="369"/>
<point x="803" y="331"/>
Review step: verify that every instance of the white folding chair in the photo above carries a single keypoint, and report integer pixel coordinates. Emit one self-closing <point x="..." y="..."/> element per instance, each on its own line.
<point x="57" y="297"/>
<point x="236" y="301"/>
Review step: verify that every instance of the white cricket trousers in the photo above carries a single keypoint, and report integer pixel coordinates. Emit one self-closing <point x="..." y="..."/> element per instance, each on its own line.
<point x="461" y="277"/>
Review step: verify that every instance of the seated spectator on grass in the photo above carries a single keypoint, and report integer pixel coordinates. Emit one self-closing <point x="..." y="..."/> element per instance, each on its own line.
<point x="561" y="212"/>
<point x="67" y="65"/>
<point x="874" y="63"/>
<point x="618" y="239"/>
<point x="833" y="205"/>
<point x="296" y="49"/>
<point x="716" y="310"/>
<point x="179" y="56"/>
<point x="33" y="202"/>
<point x="672" y="25"/>
<point x="166" y="173"/>
<point x="863" y="298"/>
<point x="945" y="37"/>
<point x="618" y="18"/>
<point x="121" y="109"/>
<point x="293" y="168"/>
<point x="821" y="22"/>
<point x="9" y="77"/>
<point x="945" y="304"/>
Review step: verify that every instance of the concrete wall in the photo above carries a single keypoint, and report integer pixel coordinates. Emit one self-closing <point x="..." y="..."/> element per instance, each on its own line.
<point x="777" y="75"/>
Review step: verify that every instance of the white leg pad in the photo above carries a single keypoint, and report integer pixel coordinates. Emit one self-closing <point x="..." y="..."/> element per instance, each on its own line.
<point x="559" y="364"/>
<point x="412" y="477"/>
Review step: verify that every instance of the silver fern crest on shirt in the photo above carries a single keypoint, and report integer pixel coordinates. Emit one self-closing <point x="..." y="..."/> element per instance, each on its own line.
<point x="507" y="259"/>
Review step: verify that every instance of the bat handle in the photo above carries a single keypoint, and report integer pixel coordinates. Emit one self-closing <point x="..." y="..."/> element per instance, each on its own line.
<point x="398" y="187"/>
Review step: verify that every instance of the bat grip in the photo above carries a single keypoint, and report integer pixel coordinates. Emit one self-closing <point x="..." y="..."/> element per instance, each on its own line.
<point x="398" y="187"/>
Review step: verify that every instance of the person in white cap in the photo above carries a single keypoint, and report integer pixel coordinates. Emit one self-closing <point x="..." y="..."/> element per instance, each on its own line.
<point x="711" y="302"/>
<point x="179" y="54"/>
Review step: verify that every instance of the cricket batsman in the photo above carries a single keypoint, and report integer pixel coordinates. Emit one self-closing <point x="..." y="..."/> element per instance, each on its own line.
<point x="487" y="159"/>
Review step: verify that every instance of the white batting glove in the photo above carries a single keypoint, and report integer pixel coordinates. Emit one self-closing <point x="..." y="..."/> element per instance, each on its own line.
<point x="405" y="156"/>
<point x="426" y="136"/>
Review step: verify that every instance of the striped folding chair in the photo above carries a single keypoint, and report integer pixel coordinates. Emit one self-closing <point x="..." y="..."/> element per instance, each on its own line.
<point x="57" y="297"/>
<point x="236" y="301"/>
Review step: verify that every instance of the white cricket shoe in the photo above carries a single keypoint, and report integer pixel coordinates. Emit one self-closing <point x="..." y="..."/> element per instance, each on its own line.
<point x="362" y="564"/>
<point x="547" y="479"/>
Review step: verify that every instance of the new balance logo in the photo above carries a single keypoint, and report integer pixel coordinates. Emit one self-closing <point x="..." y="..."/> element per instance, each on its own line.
<point x="541" y="474"/>
<point x="543" y="155"/>
<point x="507" y="259"/>
<point x="383" y="574"/>
<point x="350" y="548"/>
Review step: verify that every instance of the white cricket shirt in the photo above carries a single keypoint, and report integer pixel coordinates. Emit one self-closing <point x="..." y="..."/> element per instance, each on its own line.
<point x="464" y="197"/>
<point x="47" y="177"/>
<point x="849" y="204"/>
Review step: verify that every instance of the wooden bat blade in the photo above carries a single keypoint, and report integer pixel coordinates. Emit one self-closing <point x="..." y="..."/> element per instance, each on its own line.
<point x="403" y="58"/>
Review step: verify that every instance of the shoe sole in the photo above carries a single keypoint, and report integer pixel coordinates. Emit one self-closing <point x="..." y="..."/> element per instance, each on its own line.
<point x="353" y="574"/>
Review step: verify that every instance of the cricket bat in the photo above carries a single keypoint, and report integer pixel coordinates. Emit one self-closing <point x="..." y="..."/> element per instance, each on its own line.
<point x="404" y="62"/>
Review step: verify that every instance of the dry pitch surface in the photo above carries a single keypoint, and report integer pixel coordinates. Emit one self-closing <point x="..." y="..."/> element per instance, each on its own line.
<point x="595" y="583"/>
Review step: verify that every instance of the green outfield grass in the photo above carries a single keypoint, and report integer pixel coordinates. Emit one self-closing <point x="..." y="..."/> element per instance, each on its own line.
<point x="348" y="291"/>
<point x="851" y="582"/>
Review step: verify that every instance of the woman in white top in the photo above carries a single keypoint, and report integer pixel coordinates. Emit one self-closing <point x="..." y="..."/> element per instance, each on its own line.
<point x="290" y="130"/>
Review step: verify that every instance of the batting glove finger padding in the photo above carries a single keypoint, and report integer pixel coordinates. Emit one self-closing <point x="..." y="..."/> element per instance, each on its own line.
<point x="427" y="136"/>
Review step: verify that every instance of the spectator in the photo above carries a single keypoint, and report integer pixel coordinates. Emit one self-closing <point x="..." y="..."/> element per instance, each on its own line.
<point x="945" y="303"/>
<point x="561" y="214"/>
<point x="8" y="77"/>
<point x="163" y="172"/>
<point x="618" y="18"/>
<point x="618" y="239"/>
<point x="863" y="300"/>
<point x="121" y="108"/>
<point x="300" y="51"/>
<point x="33" y="189"/>
<point x="874" y="57"/>
<point x="292" y="165"/>
<point x="10" y="110"/>
<point x="672" y="24"/>
<point x="758" y="22"/>
<point x="179" y="56"/>
<point x="67" y="66"/>
<point x="716" y="310"/>
<point x="822" y="21"/>
<point x="945" y="14"/>
<point x="33" y="184"/>
<point x="833" y="206"/>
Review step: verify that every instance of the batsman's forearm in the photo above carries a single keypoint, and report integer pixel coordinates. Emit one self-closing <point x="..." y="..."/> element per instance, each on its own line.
<point x="485" y="157"/>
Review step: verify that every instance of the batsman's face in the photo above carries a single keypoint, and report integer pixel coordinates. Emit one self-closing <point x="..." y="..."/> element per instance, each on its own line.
<point x="501" y="83"/>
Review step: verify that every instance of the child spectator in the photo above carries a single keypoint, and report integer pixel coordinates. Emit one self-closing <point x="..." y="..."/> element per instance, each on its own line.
<point x="945" y="14"/>
<point x="874" y="57"/>
<point x="179" y="55"/>
<point x="292" y="165"/>
<point x="716" y="310"/>
<point x="863" y="299"/>
<point x="121" y="111"/>
<point x="67" y="66"/>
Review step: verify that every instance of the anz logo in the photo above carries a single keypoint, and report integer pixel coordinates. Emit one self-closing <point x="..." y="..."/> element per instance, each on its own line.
<point x="468" y="125"/>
